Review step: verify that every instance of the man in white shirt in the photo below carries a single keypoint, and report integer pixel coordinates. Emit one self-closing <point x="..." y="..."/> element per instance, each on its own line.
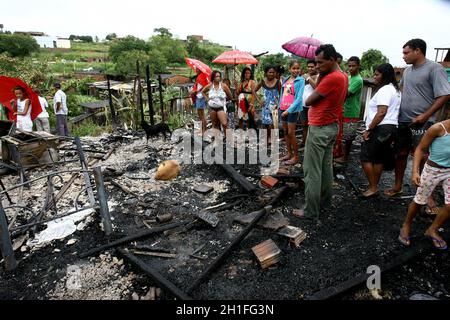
<point x="41" y="122"/>
<point x="61" y="111"/>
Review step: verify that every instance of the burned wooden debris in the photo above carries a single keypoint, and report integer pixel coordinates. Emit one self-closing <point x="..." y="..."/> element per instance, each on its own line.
<point x="267" y="253"/>
<point x="294" y="234"/>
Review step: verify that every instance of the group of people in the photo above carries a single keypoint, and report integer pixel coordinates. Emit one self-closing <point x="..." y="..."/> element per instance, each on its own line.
<point x="400" y="120"/>
<point x="22" y="107"/>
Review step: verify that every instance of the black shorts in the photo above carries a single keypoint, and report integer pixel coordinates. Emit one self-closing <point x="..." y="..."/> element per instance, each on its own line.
<point x="409" y="136"/>
<point x="379" y="148"/>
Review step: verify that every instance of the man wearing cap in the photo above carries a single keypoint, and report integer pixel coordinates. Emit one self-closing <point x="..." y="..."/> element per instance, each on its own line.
<point x="61" y="111"/>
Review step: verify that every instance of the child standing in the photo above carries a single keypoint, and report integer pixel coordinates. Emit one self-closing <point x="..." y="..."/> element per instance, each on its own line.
<point x="42" y="123"/>
<point x="271" y="91"/>
<point x="290" y="108"/>
<point x="436" y="170"/>
<point x="22" y="108"/>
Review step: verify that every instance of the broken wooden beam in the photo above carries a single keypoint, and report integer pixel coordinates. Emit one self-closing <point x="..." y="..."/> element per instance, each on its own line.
<point x="237" y="177"/>
<point x="419" y="248"/>
<point x="222" y="257"/>
<point x="154" y="275"/>
<point x="140" y="235"/>
<point x="124" y="188"/>
<point x="156" y="254"/>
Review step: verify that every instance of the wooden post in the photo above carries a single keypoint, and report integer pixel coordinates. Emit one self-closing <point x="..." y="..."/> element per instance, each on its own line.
<point x="111" y="106"/>
<point x="6" y="247"/>
<point x="141" y="106"/>
<point x="161" y="102"/>
<point x="150" y="97"/>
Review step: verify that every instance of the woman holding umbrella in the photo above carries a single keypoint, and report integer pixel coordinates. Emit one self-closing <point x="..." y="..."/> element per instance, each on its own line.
<point x="199" y="101"/>
<point x="203" y="74"/>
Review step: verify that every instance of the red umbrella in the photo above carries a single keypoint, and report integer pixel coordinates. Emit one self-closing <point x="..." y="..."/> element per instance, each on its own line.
<point x="304" y="47"/>
<point x="235" y="57"/>
<point x="198" y="65"/>
<point x="7" y="86"/>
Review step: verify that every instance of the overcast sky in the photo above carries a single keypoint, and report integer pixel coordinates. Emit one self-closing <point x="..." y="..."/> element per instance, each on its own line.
<point x="353" y="26"/>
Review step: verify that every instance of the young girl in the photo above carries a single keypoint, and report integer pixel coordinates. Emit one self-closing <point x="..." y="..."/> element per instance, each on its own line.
<point x="271" y="91"/>
<point x="22" y="108"/>
<point x="246" y="98"/>
<point x="290" y="107"/>
<point x="436" y="170"/>
<point x="198" y="99"/>
<point x="216" y="94"/>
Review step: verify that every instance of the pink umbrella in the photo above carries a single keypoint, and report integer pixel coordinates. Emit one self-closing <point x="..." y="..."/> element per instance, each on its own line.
<point x="304" y="47"/>
<point x="235" y="57"/>
<point x="198" y="65"/>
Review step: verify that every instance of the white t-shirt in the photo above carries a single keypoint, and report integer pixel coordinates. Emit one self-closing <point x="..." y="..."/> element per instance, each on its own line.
<point x="60" y="97"/>
<point x="307" y="92"/>
<point x="44" y="105"/>
<point x="386" y="96"/>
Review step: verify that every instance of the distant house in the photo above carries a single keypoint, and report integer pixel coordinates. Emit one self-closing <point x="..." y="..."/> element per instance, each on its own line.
<point x="51" y="42"/>
<point x="31" y="33"/>
<point x="97" y="75"/>
<point x="174" y="79"/>
<point x="199" y="38"/>
<point x="63" y="43"/>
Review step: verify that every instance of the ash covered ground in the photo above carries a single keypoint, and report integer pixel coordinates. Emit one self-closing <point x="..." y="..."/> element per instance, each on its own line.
<point x="352" y="236"/>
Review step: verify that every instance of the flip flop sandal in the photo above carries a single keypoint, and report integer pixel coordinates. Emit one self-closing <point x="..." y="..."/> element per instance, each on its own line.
<point x="442" y="243"/>
<point x="392" y="193"/>
<point x="404" y="240"/>
<point x="291" y="162"/>
<point x="432" y="211"/>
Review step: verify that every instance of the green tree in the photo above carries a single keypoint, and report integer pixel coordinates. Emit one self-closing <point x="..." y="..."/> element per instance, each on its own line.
<point x="163" y="32"/>
<point x="129" y="43"/>
<point x="126" y="62"/>
<point x="172" y="49"/>
<point x="36" y="75"/>
<point x="111" y="36"/>
<point x="371" y="59"/>
<point x="17" y="45"/>
<point x="87" y="39"/>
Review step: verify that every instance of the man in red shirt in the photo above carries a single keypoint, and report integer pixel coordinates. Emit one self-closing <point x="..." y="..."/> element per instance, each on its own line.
<point x="326" y="105"/>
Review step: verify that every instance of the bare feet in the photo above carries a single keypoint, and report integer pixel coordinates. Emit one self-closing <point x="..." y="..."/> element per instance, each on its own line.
<point x="285" y="158"/>
<point x="370" y="193"/>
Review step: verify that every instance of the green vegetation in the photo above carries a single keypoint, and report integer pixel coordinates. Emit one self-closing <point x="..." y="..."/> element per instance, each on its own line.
<point x="371" y="59"/>
<point x="89" y="128"/>
<point x="17" y="45"/>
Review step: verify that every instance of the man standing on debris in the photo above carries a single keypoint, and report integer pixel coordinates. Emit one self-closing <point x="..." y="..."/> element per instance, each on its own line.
<point x="352" y="107"/>
<point x="61" y="110"/>
<point x="425" y="91"/>
<point x="326" y="103"/>
<point x="41" y="122"/>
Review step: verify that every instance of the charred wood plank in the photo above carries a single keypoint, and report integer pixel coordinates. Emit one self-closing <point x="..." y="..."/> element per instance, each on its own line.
<point x="241" y="180"/>
<point x="128" y="239"/>
<point x="222" y="257"/>
<point x="155" y="275"/>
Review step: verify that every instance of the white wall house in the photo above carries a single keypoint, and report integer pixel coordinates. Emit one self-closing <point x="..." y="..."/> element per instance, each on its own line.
<point x="52" y="42"/>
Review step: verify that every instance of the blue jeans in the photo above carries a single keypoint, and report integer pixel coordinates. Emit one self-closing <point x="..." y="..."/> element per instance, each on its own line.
<point x="61" y="125"/>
